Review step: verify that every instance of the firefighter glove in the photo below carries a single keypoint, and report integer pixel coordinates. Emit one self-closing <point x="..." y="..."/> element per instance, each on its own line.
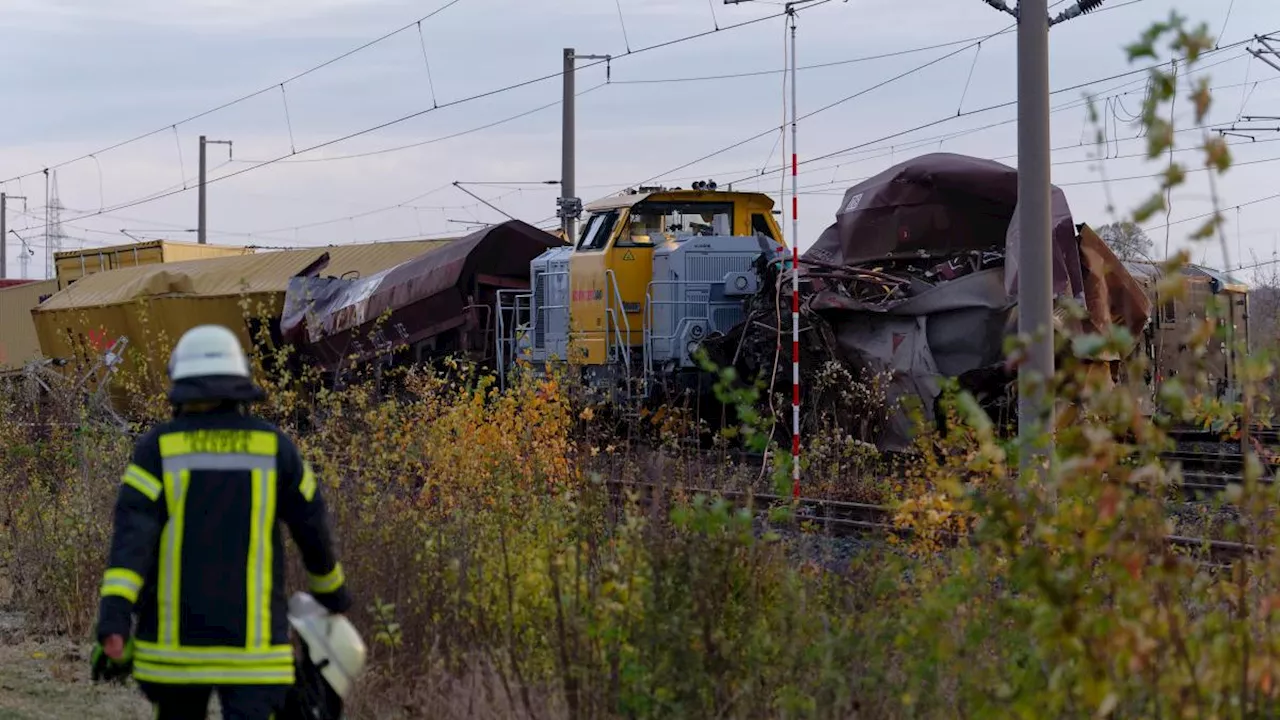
<point x="104" y="668"/>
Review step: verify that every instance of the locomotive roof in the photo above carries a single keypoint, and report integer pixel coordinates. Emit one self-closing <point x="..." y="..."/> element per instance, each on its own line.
<point x="1149" y="270"/>
<point x="626" y="200"/>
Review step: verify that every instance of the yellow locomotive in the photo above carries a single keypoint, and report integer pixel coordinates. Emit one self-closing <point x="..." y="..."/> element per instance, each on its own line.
<point x="653" y="273"/>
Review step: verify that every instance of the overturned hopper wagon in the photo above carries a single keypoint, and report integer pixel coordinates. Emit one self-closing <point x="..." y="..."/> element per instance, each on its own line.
<point x="916" y="281"/>
<point x="440" y="302"/>
<point x="150" y="306"/>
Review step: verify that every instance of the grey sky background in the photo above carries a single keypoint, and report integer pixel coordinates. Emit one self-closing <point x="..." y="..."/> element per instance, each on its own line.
<point x="77" y="76"/>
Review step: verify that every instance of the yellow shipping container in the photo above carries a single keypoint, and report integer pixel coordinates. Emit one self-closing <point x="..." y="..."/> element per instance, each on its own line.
<point x="18" y="341"/>
<point x="71" y="265"/>
<point x="153" y="305"/>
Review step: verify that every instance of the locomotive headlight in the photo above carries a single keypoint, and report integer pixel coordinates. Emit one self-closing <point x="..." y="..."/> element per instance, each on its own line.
<point x="740" y="282"/>
<point x="691" y="348"/>
<point x="696" y="332"/>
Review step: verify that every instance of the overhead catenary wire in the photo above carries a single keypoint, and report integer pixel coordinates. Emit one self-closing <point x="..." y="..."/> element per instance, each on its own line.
<point x="431" y="83"/>
<point x="431" y="141"/>
<point x="1073" y="146"/>
<point x="951" y="118"/>
<point x="884" y="151"/>
<point x="837" y="103"/>
<point x="1096" y="181"/>
<point x="815" y="66"/>
<point x="966" y="42"/>
<point x="1211" y="213"/>
<point x="969" y="80"/>
<point x="623" y="22"/>
<point x="242" y="98"/>
<point x="388" y="208"/>
<point x="459" y="101"/>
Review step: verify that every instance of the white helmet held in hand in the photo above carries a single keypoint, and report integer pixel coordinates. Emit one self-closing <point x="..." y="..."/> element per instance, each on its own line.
<point x="332" y="642"/>
<point x="208" y="351"/>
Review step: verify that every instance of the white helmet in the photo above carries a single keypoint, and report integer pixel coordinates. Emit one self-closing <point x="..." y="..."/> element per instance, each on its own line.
<point x="208" y="350"/>
<point x="331" y="641"/>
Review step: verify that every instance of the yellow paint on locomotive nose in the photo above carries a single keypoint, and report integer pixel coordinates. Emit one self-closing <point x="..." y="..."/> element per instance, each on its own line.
<point x="609" y="280"/>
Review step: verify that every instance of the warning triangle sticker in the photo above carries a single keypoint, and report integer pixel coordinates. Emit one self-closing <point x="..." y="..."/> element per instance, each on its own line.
<point x="628" y="256"/>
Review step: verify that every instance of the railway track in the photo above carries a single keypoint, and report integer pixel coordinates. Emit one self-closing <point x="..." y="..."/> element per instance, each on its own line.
<point x="846" y="519"/>
<point x="1264" y="435"/>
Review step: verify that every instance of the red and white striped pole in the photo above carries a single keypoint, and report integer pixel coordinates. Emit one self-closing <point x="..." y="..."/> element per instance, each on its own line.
<point x="795" y="277"/>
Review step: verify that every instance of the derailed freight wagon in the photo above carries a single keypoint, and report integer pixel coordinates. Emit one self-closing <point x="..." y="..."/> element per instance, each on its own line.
<point x="1172" y="320"/>
<point x="18" y="342"/>
<point x="149" y="307"/>
<point x="916" y="281"/>
<point x="438" y="303"/>
<point x="71" y="265"/>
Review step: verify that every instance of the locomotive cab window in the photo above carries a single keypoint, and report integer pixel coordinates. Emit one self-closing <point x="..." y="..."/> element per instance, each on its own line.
<point x="651" y="220"/>
<point x="598" y="229"/>
<point x="759" y="224"/>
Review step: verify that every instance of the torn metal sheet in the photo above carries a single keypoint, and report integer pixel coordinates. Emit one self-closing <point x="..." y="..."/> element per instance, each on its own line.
<point x="953" y="328"/>
<point x="1113" y="296"/>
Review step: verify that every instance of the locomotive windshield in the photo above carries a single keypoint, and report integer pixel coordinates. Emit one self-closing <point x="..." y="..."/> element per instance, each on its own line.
<point x="649" y="220"/>
<point x="595" y="234"/>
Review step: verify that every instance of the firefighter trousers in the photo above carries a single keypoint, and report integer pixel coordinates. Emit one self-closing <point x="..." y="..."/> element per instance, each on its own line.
<point x="238" y="702"/>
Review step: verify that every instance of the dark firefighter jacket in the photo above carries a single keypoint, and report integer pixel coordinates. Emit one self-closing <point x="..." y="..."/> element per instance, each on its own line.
<point x="198" y="556"/>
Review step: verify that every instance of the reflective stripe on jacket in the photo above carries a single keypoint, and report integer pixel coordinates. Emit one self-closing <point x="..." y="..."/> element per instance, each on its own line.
<point x="197" y="552"/>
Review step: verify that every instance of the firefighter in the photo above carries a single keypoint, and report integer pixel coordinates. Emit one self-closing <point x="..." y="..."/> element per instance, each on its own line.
<point x="197" y="552"/>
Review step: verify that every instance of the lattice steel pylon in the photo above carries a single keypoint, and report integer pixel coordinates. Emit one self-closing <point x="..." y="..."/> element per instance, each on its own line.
<point x="53" y="229"/>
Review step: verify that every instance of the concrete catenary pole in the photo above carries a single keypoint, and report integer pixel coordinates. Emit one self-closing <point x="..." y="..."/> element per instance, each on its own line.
<point x="202" y="227"/>
<point x="4" y="232"/>
<point x="1035" y="262"/>
<point x="200" y="220"/>
<point x="568" y="216"/>
<point x="569" y="204"/>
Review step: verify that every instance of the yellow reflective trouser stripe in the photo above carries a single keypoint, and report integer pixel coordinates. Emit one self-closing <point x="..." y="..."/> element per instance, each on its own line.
<point x="142" y="481"/>
<point x="121" y="582"/>
<point x="270" y="655"/>
<point x="175" y="490"/>
<point x="258" y="570"/>
<point x="219" y="442"/>
<point x="308" y="485"/>
<point x="326" y="583"/>
<point x="212" y="674"/>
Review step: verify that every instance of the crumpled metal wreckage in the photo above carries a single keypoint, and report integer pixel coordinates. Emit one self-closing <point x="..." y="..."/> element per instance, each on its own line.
<point x="917" y="280"/>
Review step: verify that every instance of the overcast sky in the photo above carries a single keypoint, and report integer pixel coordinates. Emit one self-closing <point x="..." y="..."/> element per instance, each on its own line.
<point x="80" y="76"/>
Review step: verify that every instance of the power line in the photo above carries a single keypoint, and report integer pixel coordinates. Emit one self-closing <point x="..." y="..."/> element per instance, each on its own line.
<point x="989" y="108"/>
<point x="1074" y="183"/>
<point x="1075" y="146"/>
<point x="398" y="206"/>
<point x="460" y="101"/>
<point x="270" y="88"/>
<point x="817" y="66"/>
<point x="432" y="141"/>
<point x="1202" y="216"/>
<point x="922" y="142"/>
<point x="881" y="84"/>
